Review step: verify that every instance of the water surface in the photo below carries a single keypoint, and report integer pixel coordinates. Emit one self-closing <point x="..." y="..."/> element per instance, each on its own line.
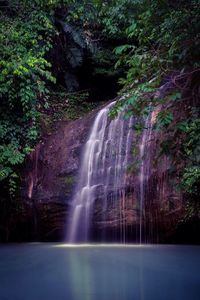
<point x="56" y="272"/>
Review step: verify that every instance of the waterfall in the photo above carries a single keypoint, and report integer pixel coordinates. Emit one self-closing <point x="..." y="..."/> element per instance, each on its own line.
<point x="102" y="173"/>
<point x="144" y="173"/>
<point x="32" y="180"/>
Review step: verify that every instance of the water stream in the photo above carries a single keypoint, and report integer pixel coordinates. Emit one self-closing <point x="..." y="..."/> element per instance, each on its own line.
<point x="102" y="174"/>
<point x="144" y="173"/>
<point x="103" y="177"/>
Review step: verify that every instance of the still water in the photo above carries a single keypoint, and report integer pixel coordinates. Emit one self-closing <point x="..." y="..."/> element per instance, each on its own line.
<point x="59" y="272"/>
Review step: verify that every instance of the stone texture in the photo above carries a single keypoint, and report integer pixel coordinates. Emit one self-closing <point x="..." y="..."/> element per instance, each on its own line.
<point x="50" y="176"/>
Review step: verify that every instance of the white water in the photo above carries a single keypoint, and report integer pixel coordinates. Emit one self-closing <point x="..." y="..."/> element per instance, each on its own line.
<point x="144" y="173"/>
<point x="102" y="174"/>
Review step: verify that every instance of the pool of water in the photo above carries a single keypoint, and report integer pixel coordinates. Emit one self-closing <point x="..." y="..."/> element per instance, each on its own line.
<point x="94" y="272"/>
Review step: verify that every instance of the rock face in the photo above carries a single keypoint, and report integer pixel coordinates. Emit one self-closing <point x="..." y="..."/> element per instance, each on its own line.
<point x="148" y="211"/>
<point x="150" y="207"/>
<point x="50" y="175"/>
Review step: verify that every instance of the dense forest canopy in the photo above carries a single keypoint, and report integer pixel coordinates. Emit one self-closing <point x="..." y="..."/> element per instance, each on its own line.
<point x="54" y="52"/>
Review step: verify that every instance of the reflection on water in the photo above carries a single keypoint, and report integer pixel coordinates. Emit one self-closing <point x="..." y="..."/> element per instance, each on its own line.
<point x="49" y="272"/>
<point x="80" y="281"/>
<point x="88" y="276"/>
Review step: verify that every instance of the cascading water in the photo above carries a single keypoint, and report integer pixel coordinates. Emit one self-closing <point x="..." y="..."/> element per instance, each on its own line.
<point x="102" y="174"/>
<point x="144" y="172"/>
<point x="32" y="180"/>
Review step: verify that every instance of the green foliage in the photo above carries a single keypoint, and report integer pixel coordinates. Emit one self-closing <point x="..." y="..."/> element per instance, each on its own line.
<point x="182" y="126"/>
<point x="25" y="37"/>
<point x="117" y="15"/>
<point x="191" y="179"/>
<point x="64" y="105"/>
<point x="30" y="34"/>
<point x="190" y="176"/>
<point x="160" y="37"/>
<point x="164" y="118"/>
<point x="192" y="210"/>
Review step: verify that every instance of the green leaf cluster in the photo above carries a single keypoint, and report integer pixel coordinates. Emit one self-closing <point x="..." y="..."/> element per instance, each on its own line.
<point x="160" y="57"/>
<point x="25" y="37"/>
